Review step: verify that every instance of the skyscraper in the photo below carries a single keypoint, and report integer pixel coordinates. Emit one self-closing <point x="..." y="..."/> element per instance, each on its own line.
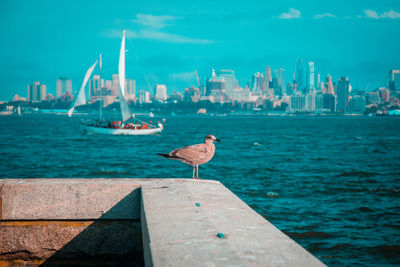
<point x="300" y="76"/>
<point x="267" y="80"/>
<point x="115" y="85"/>
<point x="281" y="72"/>
<point x="95" y="86"/>
<point x="130" y="89"/>
<point x="215" y="83"/>
<point x="394" y="80"/>
<point x="343" y="87"/>
<point x="64" y="85"/>
<point x="160" y="92"/>
<point x="257" y="82"/>
<point x="230" y="81"/>
<point x="36" y="92"/>
<point x="310" y="77"/>
<point x="329" y="85"/>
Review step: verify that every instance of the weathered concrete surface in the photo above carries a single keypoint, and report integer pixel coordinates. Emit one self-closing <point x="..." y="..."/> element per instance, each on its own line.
<point x="63" y="241"/>
<point x="177" y="232"/>
<point x="69" y="199"/>
<point x="52" y="220"/>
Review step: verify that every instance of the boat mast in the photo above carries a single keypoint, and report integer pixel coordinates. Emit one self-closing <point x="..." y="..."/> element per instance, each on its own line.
<point x="101" y="94"/>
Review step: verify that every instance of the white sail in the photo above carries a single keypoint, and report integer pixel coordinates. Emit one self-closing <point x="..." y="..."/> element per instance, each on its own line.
<point x="81" y="98"/>
<point x="125" y="111"/>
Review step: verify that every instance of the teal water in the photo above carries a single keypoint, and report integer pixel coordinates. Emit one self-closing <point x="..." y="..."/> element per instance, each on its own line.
<point x="330" y="183"/>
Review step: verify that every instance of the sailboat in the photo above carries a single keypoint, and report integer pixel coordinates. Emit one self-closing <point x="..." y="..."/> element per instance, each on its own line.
<point x="128" y="125"/>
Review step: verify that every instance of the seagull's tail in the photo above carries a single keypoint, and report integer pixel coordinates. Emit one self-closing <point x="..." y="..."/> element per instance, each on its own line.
<point x="167" y="156"/>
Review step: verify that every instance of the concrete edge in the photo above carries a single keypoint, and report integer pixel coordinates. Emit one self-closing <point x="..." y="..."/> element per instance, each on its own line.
<point x="148" y="260"/>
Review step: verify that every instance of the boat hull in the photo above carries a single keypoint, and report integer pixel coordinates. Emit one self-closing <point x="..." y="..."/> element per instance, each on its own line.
<point x="112" y="131"/>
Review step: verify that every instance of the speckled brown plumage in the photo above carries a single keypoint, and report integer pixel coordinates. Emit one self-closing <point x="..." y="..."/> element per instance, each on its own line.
<point x="194" y="155"/>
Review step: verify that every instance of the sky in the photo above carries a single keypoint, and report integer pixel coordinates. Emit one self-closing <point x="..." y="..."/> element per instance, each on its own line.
<point x="168" y="40"/>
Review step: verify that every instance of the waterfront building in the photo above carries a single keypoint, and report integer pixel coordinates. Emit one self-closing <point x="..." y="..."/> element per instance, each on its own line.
<point x="267" y="80"/>
<point x="357" y="104"/>
<point x="130" y="89"/>
<point x="36" y="92"/>
<point x="281" y="76"/>
<point x="19" y="98"/>
<point x="242" y="95"/>
<point x="215" y="83"/>
<point x="144" y="96"/>
<point x="230" y="81"/>
<point x="329" y="102"/>
<point x="64" y="85"/>
<point x="384" y="93"/>
<point x="300" y="76"/>
<point x="394" y="80"/>
<point x="319" y="102"/>
<point x="343" y="90"/>
<point x="310" y="78"/>
<point x="192" y="94"/>
<point x="160" y="92"/>
<point x="329" y="85"/>
<point x="310" y="102"/>
<point x="257" y="83"/>
<point x="115" y="85"/>
<point x="95" y="86"/>
<point x="296" y="103"/>
<point x="373" y="98"/>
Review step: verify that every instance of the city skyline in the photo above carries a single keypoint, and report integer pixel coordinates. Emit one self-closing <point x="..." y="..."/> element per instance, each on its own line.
<point x="168" y="42"/>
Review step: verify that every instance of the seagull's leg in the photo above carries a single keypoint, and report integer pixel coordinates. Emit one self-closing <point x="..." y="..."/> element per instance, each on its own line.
<point x="194" y="168"/>
<point x="197" y="171"/>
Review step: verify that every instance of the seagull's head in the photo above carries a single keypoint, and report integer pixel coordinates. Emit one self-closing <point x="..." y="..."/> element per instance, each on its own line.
<point x="211" y="138"/>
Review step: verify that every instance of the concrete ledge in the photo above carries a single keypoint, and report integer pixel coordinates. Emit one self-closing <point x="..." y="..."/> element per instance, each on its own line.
<point x="166" y="222"/>
<point x="181" y="221"/>
<point x="69" y="199"/>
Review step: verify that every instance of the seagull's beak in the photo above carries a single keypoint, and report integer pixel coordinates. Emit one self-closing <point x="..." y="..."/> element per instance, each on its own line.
<point x="216" y="139"/>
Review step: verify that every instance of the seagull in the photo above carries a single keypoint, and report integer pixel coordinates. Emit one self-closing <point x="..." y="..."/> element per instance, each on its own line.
<point x="194" y="155"/>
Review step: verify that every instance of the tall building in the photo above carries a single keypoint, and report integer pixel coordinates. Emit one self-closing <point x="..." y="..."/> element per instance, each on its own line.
<point x="373" y="98"/>
<point x="130" y="89"/>
<point x="329" y="85"/>
<point x="384" y="94"/>
<point x="329" y="102"/>
<point x="297" y="103"/>
<point x="144" y="96"/>
<point x="357" y="104"/>
<point x="230" y="81"/>
<point x="310" y="77"/>
<point x="300" y="76"/>
<point x="281" y="73"/>
<point x="95" y="86"/>
<point x="257" y="82"/>
<point x="115" y="85"/>
<point x="343" y="90"/>
<point x="215" y="83"/>
<point x="267" y="80"/>
<point x="36" y="92"/>
<point x="394" y="80"/>
<point x="160" y="92"/>
<point x="64" y="85"/>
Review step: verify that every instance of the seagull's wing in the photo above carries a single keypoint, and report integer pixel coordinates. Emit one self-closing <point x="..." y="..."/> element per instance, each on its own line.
<point x="190" y="153"/>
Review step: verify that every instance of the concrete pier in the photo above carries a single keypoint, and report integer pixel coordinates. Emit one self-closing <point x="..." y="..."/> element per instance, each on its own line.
<point x="136" y="222"/>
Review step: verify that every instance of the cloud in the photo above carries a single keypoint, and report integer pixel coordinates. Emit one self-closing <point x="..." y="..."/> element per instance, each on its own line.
<point x="150" y="26"/>
<point x="152" y="21"/>
<point x="156" y="35"/>
<point x="391" y="14"/>
<point x="292" y="14"/>
<point x="369" y="13"/>
<point x="325" y="15"/>
<point x="170" y="37"/>
<point x="372" y="14"/>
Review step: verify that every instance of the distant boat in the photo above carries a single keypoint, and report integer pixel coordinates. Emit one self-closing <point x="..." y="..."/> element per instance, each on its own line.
<point x="128" y="125"/>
